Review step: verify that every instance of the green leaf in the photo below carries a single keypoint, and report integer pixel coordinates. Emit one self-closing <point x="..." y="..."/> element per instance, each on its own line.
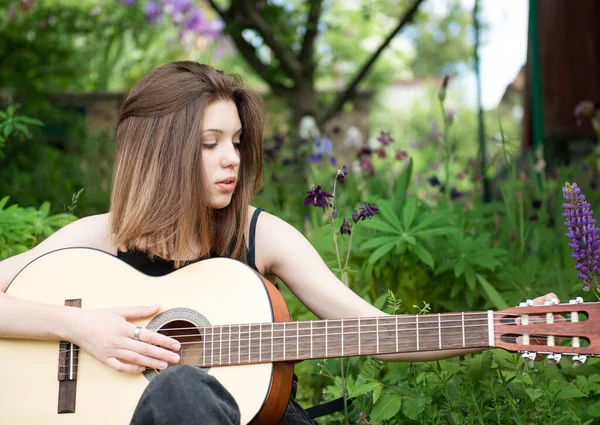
<point x="534" y="393"/>
<point x="8" y="128"/>
<point x="424" y="255"/>
<point x="400" y="193"/>
<point x="408" y="213"/>
<point x="492" y="294"/>
<point x="381" y="251"/>
<point x="378" y="241"/>
<point x="29" y="121"/>
<point x="389" y="215"/>
<point x="594" y="410"/>
<point x="364" y="389"/>
<point x="412" y="407"/>
<point x="3" y="202"/>
<point x="386" y="407"/>
<point x="377" y="393"/>
<point x="470" y="277"/>
<point x="380" y="225"/>
<point x="459" y="267"/>
<point x="568" y="391"/>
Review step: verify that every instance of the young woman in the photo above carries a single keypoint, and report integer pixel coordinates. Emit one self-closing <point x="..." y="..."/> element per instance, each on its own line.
<point x="188" y="162"/>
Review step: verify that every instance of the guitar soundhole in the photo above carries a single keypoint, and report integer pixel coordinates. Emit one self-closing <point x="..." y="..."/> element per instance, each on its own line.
<point x="189" y="336"/>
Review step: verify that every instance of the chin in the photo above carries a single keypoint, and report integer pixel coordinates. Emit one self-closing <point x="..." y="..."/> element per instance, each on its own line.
<point x="220" y="204"/>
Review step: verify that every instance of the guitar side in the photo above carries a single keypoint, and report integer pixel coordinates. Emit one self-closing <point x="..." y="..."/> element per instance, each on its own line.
<point x="222" y="290"/>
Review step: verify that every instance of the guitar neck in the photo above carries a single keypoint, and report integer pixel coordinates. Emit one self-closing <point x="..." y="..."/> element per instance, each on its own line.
<point x="235" y="344"/>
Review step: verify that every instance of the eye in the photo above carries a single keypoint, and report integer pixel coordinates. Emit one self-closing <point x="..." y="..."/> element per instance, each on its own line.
<point x="209" y="145"/>
<point x="237" y="145"/>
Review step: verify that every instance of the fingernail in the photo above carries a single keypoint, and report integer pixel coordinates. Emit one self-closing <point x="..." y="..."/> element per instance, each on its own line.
<point x="176" y="346"/>
<point x="162" y="365"/>
<point x="174" y="359"/>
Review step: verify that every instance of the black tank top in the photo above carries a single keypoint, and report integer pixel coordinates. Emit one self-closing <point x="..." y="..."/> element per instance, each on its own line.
<point x="159" y="266"/>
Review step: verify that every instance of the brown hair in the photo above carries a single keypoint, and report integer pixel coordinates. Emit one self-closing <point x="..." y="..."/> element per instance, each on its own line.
<point x="158" y="200"/>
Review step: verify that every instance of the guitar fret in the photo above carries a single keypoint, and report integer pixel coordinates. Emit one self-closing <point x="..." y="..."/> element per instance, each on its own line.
<point x="463" y="328"/>
<point x="377" y="333"/>
<point x="440" y="330"/>
<point x="220" y="344"/>
<point x="342" y="332"/>
<point x="212" y="344"/>
<point x="417" y="333"/>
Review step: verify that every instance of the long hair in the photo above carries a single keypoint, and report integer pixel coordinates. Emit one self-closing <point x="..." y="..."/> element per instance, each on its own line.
<point x="159" y="201"/>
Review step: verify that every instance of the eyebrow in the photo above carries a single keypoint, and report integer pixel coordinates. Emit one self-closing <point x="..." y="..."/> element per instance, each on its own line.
<point x="219" y="130"/>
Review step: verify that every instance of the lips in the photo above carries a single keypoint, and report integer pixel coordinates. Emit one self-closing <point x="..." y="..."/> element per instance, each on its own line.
<point x="228" y="180"/>
<point x="227" y="185"/>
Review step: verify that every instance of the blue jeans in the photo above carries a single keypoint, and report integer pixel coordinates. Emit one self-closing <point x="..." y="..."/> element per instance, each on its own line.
<point x="189" y="395"/>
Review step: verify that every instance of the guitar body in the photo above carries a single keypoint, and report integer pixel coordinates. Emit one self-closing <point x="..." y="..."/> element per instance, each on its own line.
<point x="215" y="291"/>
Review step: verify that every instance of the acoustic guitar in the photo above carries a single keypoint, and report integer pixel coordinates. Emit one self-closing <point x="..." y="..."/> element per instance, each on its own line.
<point x="233" y="323"/>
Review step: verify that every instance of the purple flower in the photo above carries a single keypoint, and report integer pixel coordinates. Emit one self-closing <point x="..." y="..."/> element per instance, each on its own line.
<point x="178" y="7"/>
<point x="455" y="194"/>
<point x="381" y="153"/>
<point x="434" y="181"/>
<point x="584" y="111"/>
<point x="400" y="155"/>
<point x="129" y="2"/>
<point x="341" y="173"/>
<point x="334" y="214"/>
<point x="537" y="204"/>
<point x="367" y="165"/>
<point x="355" y="216"/>
<point x="385" y="138"/>
<point x="583" y="234"/>
<point x="346" y="228"/>
<point x="317" y="198"/>
<point x="198" y="24"/>
<point x="152" y="12"/>
<point x="367" y="210"/>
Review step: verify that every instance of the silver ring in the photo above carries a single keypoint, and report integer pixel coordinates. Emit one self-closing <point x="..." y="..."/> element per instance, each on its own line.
<point x="136" y="333"/>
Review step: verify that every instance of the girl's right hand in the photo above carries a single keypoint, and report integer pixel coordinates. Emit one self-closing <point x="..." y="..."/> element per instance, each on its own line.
<point x="107" y="335"/>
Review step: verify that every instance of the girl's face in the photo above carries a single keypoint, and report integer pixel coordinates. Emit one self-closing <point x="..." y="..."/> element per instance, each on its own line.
<point x="221" y="133"/>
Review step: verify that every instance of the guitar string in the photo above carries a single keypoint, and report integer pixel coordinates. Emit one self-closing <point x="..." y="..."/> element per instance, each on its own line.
<point x="422" y="325"/>
<point x="218" y="360"/>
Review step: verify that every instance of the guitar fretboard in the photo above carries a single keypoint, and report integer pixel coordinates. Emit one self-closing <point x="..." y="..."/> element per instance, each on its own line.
<point x="235" y="344"/>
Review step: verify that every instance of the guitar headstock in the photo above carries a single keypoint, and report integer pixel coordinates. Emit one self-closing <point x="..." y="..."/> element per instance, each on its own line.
<point x="552" y="329"/>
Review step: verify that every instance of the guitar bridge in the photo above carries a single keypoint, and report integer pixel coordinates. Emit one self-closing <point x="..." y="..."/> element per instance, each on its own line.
<point x="68" y="357"/>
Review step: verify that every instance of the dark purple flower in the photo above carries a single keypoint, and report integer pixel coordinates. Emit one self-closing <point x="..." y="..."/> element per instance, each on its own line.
<point x="583" y="234"/>
<point x="152" y="12"/>
<point x="385" y="138"/>
<point x="400" y="155"/>
<point x="381" y="153"/>
<point x="364" y="153"/>
<point x="455" y="194"/>
<point x="334" y="214"/>
<point x="367" y="165"/>
<point x="317" y="198"/>
<point x="537" y="204"/>
<point x="355" y="216"/>
<point x="584" y="111"/>
<point x="346" y="228"/>
<point x="444" y="87"/>
<point x="434" y="181"/>
<point x="341" y="173"/>
<point x="367" y="211"/>
<point x="314" y="158"/>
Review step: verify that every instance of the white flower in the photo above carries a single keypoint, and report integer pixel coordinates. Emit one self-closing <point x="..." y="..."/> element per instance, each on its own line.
<point x="374" y="144"/>
<point x="353" y="138"/>
<point x="308" y="128"/>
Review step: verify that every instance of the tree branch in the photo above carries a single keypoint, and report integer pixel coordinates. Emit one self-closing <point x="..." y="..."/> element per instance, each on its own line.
<point x="351" y="87"/>
<point x="308" y="44"/>
<point x="249" y="53"/>
<point x="252" y="19"/>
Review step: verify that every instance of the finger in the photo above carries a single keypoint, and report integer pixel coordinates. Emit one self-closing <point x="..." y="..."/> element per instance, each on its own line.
<point x="119" y="366"/>
<point x="142" y="360"/>
<point x="548" y="297"/>
<point x="154" y="338"/>
<point x="139" y="312"/>
<point x="151" y="351"/>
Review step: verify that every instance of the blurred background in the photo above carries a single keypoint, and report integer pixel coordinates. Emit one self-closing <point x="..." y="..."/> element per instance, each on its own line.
<point x="461" y="121"/>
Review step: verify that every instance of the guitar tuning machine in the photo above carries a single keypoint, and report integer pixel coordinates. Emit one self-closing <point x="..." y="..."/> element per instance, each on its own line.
<point x="529" y="356"/>
<point x="528" y="303"/>
<point x="553" y="359"/>
<point x="553" y="301"/>
<point x="577" y="300"/>
<point x="579" y="359"/>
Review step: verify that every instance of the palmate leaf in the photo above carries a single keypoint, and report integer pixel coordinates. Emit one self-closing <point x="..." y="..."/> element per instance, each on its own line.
<point x="408" y="212"/>
<point x="492" y="294"/>
<point x="382" y="226"/>
<point x="424" y="255"/>
<point x="381" y="251"/>
<point x="388" y="214"/>
<point x="378" y="241"/>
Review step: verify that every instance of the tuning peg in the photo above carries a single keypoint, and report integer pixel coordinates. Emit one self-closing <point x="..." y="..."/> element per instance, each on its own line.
<point x="553" y="359"/>
<point x="578" y="360"/>
<point x="529" y="356"/>
<point x="577" y="300"/>
<point x="553" y="301"/>
<point x="528" y="303"/>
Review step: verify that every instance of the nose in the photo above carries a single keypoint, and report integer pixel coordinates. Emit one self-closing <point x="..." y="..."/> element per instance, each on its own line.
<point x="231" y="156"/>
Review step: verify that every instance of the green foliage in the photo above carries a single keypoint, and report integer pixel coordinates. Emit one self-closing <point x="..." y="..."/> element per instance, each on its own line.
<point x="23" y="228"/>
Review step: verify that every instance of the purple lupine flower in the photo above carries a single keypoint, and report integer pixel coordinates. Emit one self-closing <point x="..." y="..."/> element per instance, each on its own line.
<point x="346" y="228"/>
<point x="583" y="234"/>
<point x="152" y="12"/>
<point x="385" y="138"/>
<point x="317" y="198"/>
<point x="199" y="24"/>
<point x="178" y="7"/>
<point x="341" y="173"/>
